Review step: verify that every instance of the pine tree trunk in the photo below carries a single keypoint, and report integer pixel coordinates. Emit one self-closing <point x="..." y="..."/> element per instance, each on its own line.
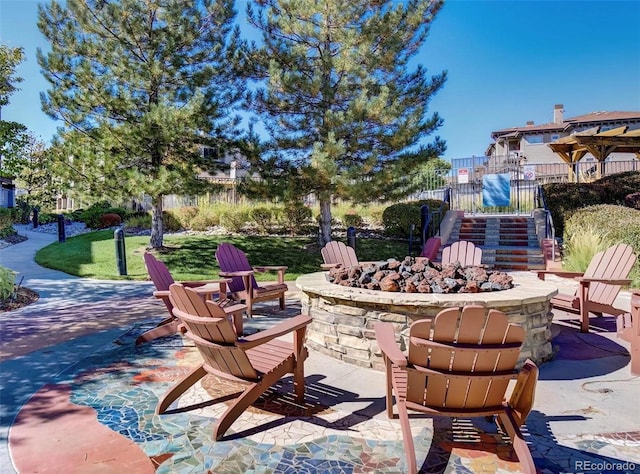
<point x="325" y="221"/>
<point x="157" y="225"/>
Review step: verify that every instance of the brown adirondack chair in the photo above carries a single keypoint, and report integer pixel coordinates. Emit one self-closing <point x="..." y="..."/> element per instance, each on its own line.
<point x="629" y="330"/>
<point x="243" y="285"/>
<point x="258" y="361"/>
<point x="462" y="251"/>
<point x="162" y="279"/>
<point x="336" y="253"/>
<point x="459" y="365"/>
<point x="598" y="286"/>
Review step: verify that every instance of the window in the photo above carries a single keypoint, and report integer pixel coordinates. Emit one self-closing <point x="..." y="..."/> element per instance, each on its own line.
<point x="532" y="139"/>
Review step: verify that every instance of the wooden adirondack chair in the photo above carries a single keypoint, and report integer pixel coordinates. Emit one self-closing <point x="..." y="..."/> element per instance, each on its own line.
<point x="462" y="251"/>
<point x="460" y="364"/>
<point x="162" y="279"/>
<point x="431" y="248"/>
<point x="598" y="286"/>
<point x="629" y="329"/>
<point x="243" y="285"/>
<point x="336" y="253"/>
<point x="258" y="361"/>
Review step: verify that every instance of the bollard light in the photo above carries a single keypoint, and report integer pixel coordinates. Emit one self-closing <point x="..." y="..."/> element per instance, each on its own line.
<point x="121" y="255"/>
<point x="351" y="237"/>
<point x="61" y="234"/>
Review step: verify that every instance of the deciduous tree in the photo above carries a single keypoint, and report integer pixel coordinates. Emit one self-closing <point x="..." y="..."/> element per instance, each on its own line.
<point x="13" y="135"/>
<point x="342" y="97"/>
<point x="140" y="86"/>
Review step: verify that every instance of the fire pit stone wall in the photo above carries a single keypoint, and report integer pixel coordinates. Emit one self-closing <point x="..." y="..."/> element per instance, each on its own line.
<point x="344" y="317"/>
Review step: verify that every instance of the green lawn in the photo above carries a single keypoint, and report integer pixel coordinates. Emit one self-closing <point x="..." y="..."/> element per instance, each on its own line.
<point x="92" y="255"/>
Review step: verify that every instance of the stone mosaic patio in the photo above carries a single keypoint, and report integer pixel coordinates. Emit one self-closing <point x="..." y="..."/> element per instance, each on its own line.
<point x="335" y="431"/>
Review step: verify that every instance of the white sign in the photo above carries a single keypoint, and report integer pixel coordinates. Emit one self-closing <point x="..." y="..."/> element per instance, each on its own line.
<point x="529" y="173"/>
<point x="463" y="176"/>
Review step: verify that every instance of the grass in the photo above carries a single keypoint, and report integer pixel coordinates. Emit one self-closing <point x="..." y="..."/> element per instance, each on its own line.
<point x="92" y="255"/>
<point x="581" y="247"/>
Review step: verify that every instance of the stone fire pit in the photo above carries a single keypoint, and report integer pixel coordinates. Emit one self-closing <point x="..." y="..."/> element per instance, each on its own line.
<point x="344" y="316"/>
<point x="420" y="276"/>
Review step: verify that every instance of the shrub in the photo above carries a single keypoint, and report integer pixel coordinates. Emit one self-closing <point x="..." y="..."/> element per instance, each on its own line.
<point x="7" y="231"/>
<point x="91" y="216"/>
<point x="233" y="219"/>
<point x="109" y="220"/>
<point x="564" y="199"/>
<point x="185" y="215"/>
<point x="297" y="216"/>
<point x="632" y="200"/>
<point x="170" y="222"/>
<point x="352" y="219"/>
<point x="7" y="282"/>
<point x="206" y="217"/>
<point x="614" y="224"/>
<point x="139" y="220"/>
<point x="6" y="217"/>
<point x="47" y="218"/>
<point x="581" y="247"/>
<point x="397" y="218"/>
<point x="22" y="211"/>
<point x="261" y="216"/>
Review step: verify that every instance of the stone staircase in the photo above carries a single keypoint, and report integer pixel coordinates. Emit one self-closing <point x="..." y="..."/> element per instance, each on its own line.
<point x="507" y="242"/>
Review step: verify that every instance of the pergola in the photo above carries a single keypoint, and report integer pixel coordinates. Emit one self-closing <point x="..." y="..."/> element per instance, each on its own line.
<point x="574" y="147"/>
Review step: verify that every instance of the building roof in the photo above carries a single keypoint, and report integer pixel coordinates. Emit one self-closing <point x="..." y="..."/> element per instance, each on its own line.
<point x="604" y="117"/>
<point x="514" y="132"/>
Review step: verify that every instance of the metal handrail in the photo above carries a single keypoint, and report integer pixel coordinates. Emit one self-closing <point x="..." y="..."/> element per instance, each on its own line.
<point x="549" y="228"/>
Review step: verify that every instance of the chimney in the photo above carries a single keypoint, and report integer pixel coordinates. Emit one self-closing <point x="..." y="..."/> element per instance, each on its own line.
<point x="529" y="123"/>
<point x="558" y="109"/>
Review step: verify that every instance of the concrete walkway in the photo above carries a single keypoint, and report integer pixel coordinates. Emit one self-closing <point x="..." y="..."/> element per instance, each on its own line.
<point x="73" y="350"/>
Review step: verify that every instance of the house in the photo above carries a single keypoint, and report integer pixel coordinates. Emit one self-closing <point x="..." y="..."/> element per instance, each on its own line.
<point x="529" y="145"/>
<point x="7" y="192"/>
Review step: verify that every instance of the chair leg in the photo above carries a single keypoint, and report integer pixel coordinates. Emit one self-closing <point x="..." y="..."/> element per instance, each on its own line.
<point x="282" y="302"/>
<point x="244" y="401"/>
<point x="165" y="328"/>
<point x="519" y="444"/>
<point x="179" y="388"/>
<point x="407" y="438"/>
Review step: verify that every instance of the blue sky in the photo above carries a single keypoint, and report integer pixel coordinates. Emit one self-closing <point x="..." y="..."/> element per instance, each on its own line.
<point x="508" y="62"/>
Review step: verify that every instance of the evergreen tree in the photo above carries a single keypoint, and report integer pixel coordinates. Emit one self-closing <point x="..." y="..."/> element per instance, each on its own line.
<point x="13" y="135"/>
<point x="344" y="106"/>
<point x="141" y="85"/>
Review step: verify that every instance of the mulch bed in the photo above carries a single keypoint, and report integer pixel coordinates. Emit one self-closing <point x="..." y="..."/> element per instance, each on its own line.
<point x="23" y="297"/>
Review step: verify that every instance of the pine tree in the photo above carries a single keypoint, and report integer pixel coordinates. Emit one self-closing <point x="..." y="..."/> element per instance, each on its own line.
<point x="141" y="85"/>
<point x="344" y="105"/>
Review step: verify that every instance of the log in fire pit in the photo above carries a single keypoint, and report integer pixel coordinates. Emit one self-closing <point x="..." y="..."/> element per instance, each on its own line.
<point x="420" y="275"/>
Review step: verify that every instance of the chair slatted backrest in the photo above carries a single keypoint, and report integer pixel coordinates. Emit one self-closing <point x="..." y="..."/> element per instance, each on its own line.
<point x="462" y="359"/>
<point x="337" y="252"/>
<point x="613" y="263"/>
<point x="462" y="251"/>
<point x="212" y="334"/>
<point x="160" y="275"/>
<point x="232" y="259"/>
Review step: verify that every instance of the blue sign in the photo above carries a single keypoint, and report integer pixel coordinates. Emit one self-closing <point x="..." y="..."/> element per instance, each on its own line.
<point x="496" y="190"/>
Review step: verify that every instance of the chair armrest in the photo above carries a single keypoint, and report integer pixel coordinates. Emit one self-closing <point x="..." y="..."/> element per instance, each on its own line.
<point x="271" y="268"/>
<point x="280" y="329"/>
<point x="560" y="273"/>
<point x="242" y="273"/>
<point x="608" y="281"/>
<point x="281" y="269"/>
<point x="196" y="283"/>
<point x="161" y="294"/>
<point x="386" y="339"/>
<point x="329" y="266"/>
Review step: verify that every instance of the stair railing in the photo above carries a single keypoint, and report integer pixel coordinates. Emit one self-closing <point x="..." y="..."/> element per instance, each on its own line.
<point x="549" y="228"/>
